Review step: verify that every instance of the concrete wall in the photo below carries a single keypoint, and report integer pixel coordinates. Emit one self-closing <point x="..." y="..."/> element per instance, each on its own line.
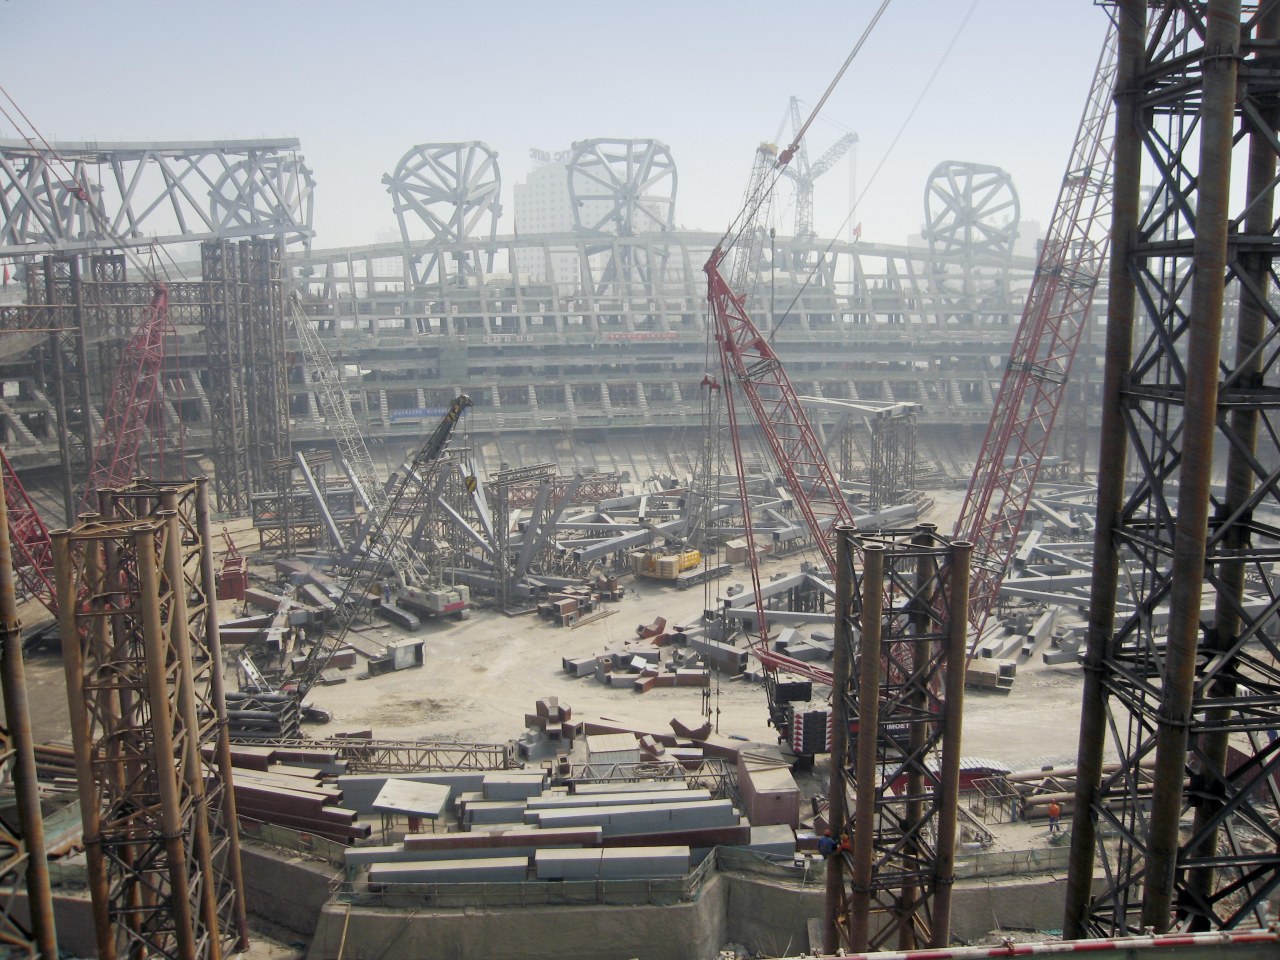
<point x="765" y="916"/>
<point x="682" y="931"/>
<point x="285" y="889"/>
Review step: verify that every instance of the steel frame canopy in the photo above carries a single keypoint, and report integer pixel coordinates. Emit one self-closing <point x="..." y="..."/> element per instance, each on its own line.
<point x="454" y="190"/>
<point x="86" y="196"/>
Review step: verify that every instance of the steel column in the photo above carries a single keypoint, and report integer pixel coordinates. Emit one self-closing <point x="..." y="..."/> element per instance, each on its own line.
<point x="28" y="845"/>
<point x="1121" y="300"/>
<point x="866" y="763"/>
<point x="841" y="672"/>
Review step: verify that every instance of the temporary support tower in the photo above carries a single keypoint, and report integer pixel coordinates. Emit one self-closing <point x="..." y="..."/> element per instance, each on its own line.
<point x="1190" y="709"/>
<point x="897" y="698"/>
<point x="148" y="725"/>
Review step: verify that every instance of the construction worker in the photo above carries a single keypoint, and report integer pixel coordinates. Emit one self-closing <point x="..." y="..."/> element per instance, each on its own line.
<point x="1055" y="811"/>
<point x="827" y="845"/>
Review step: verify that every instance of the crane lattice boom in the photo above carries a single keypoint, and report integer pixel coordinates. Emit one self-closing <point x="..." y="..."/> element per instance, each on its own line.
<point x="1044" y="348"/>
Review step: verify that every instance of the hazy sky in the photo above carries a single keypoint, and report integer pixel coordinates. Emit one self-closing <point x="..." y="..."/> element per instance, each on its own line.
<point x="361" y="83"/>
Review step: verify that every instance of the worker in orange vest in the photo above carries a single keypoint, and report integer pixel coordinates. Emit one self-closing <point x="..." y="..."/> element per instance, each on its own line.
<point x="1055" y="811"/>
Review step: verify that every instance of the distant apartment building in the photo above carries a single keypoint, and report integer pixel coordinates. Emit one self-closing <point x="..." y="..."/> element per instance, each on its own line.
<point x="542" y="206"/>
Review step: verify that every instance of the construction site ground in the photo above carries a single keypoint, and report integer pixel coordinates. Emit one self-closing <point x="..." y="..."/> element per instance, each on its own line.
<point x="483" y="675"/>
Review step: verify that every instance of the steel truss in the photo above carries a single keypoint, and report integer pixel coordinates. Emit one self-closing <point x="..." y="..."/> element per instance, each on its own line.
<point x="393" y="756"/>
<point x="623" y="188"/>
<point x="1199" y="703"/>
<point x="1044" y="349"/>
<point x="454" y="191"/>
<point x="143" y="666"/>
<point x="898" y="698"/>
<point x="88" y="196"/>
<point x="970" y="208"/>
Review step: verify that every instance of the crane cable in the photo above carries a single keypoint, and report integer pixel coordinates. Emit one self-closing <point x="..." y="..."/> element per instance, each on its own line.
<point x="880" y="166"/>
<point x="81" y="189"/>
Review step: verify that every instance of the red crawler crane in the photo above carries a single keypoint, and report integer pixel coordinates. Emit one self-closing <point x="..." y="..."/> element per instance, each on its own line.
<point x="133" y="395"/>
<point x="1044" y="348"/>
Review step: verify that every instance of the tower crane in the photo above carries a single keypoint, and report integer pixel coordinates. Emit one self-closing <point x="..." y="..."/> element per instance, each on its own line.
<point x="803" y="174"/>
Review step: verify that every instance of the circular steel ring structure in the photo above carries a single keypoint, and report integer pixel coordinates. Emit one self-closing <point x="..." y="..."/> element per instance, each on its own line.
<point x="258" y="190"/>
<point x="454" y="190"/>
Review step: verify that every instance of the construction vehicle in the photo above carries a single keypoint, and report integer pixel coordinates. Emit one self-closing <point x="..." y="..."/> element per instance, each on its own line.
<point x="684" y="568"/>
<point x="391" y="560"/>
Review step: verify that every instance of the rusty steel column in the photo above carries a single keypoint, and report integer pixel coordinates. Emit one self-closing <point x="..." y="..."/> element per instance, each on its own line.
<point x="1217" y="122"/>
<point x="1121" y="301"/>
<point x="171" y="815"/>
<point x="1251" y="328"/>
<point x="17" y="716"/>
<point x="841" y="664"/>
<point x="917" y="702"/>
<point x="864" y="814"/>
<point x="191" y="761"/>
<point x="949" y="773"/>
<point x="81" y="732"/>
<point x="217" y="694"/>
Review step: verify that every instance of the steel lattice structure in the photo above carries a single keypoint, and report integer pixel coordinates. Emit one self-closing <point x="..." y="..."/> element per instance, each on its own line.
<point x="1196" y="703"/>
<point x="623" y="188"/>
<point x="972" y="209"/>
<point x="454" y="190"/>
<point x="1044" y="349"/>
<point x="143" y="667"/>
<point x="898" y="698"/>
<point x="83" y="197"/>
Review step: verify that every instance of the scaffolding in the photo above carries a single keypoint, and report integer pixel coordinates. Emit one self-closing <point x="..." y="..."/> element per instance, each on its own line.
<point x="148" y="724"/>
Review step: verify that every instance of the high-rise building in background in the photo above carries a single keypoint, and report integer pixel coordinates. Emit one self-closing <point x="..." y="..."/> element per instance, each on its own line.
<point x="542" y="206"/>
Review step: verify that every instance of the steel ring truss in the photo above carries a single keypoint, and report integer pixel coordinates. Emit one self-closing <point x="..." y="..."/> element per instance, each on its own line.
<point x="251" y="192"/>
<point x="971" y="222"/>
<point x="623" y="188"/>
<point x="454" y="190"/>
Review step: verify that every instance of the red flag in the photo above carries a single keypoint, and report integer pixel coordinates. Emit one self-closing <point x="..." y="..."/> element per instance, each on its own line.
<point x="857" y="231"/>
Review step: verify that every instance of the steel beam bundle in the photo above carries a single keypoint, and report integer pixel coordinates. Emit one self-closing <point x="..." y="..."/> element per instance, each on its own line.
<point x="897" y="698"/>
<point x="1197" y="702"/>
<point x="143" y="667"/>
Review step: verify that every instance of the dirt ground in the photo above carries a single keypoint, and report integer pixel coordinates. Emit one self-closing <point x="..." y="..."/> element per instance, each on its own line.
<point x="482" y="675"/>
